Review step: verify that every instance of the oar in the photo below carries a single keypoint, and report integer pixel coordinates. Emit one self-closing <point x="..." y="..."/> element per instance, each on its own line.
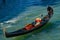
<point x="4" y="33"/>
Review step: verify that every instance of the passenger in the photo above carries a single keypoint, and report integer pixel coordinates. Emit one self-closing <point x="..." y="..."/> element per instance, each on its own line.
<point x="38" y="21"/>
<point x="33" y="23"/>
<point x="31" y="26"/>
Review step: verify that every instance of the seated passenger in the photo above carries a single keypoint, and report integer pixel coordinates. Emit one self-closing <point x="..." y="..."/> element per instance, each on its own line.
<point x="38" y="21"/>
<point x="31" y="26"/>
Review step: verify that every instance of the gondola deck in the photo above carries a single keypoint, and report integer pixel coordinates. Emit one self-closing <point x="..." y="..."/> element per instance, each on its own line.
<point x="24" y="31"/>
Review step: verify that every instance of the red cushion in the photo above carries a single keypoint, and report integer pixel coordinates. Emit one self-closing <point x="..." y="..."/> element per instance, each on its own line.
<point x="29" y="27"/>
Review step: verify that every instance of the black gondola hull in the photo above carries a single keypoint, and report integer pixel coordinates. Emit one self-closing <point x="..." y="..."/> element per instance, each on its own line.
<point x="22" y="31"/>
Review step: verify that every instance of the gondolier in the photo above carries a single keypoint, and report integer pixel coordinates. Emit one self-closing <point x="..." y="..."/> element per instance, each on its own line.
<point x="50" y="10"/>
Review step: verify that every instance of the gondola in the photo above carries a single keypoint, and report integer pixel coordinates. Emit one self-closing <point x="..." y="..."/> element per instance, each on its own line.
<point x="24" y="31"/>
